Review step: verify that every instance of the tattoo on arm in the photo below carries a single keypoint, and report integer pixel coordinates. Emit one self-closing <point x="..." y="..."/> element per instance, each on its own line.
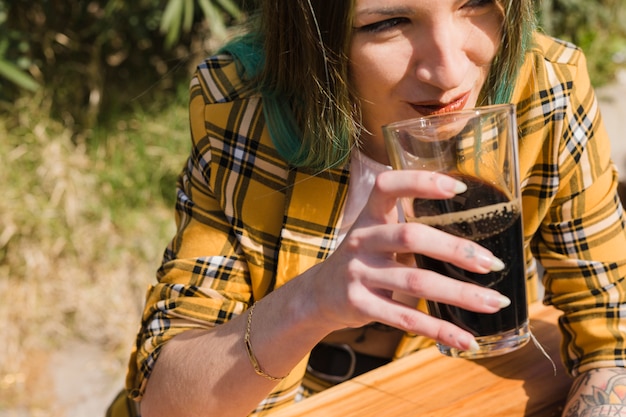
<point x="608" y="400"/>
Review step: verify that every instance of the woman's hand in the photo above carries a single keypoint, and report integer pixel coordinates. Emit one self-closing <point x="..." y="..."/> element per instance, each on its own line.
<point x="355" y="285"/>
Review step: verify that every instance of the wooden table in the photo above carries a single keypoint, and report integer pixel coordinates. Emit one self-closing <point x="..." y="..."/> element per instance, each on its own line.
<point x="521" y="383"/>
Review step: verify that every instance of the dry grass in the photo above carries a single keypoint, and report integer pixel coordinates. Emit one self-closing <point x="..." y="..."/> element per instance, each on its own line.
<point x="82" y="229"/>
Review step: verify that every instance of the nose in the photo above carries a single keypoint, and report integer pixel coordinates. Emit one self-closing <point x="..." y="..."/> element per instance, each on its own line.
<point x="441" y="59"/>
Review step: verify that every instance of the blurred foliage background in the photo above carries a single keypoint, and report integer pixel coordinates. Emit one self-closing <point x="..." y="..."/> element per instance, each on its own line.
<point x="93" y="128"/>
<point x="598" y="27"/>
<point x="97" y="58"/>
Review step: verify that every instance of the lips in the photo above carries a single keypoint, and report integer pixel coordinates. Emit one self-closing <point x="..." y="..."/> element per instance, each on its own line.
<point x="427" y="109"/>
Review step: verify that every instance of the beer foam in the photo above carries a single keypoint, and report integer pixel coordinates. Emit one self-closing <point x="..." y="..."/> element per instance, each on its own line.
<point x="483" y="221"/>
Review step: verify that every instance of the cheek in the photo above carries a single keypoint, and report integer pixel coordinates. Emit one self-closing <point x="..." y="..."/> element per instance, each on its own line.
<point x="487" y="38"/>
<point x="374" y="70"/>
<point x="363" y="69"/>
<point x="482" y="51"/>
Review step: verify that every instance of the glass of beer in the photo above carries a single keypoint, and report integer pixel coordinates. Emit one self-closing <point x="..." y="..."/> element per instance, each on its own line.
<point x="479" y="148"/>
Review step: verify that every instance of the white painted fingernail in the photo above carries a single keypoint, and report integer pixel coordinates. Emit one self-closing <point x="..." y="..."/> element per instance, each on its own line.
<point x="459" y="187"/>
<point x="491" y="263"/>
<point x="473" y="346"/>
<point x="467" y="342"/>
<point x="498" y="300"/>
<point x="496" y="264"/>
<point x="450" y="184"/>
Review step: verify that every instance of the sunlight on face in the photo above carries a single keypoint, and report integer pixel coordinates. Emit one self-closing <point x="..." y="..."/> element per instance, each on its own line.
<point x="417" y="57"/>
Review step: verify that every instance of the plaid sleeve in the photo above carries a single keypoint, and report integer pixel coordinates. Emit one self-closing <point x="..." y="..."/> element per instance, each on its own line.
<point x="215" y="265"/>
<point x="581" y="239"/>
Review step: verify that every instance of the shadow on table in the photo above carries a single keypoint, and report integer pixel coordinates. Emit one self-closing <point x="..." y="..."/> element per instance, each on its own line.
<point x="537" y="379"/>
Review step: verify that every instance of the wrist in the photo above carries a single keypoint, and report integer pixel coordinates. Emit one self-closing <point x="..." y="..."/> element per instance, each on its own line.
<point x="278" y="332"/>
<point x="251" y="356"/>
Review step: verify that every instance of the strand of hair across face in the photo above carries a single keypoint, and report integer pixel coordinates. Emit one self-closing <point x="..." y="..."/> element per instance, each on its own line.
<point x="321" y="41"/>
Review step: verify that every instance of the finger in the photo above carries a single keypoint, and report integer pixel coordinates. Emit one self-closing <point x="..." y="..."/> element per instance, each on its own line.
<point x="422" y="283"/>
<point x="424" y="240"/>
<point x="391" y="185"/>
<point x="418" y="322"/>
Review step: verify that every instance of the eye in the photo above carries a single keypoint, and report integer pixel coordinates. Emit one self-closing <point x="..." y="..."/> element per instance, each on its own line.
<point x="478" y="3"/>
<point x="384" y="25"/>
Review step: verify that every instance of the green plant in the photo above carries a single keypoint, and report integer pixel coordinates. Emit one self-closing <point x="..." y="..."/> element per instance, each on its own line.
<point x="598" y="27"/>
<point x="17" y="76"/>
<point x="100" y="58"/>
<point x="82" y="229"/>
<point x="13" y="63"/>
<point x="178" y="17"/>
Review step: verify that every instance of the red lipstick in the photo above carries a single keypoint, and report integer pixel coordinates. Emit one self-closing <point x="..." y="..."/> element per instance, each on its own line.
<point x="428" y="108"/>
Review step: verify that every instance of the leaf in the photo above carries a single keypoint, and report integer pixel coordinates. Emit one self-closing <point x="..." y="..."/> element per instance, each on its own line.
<point x="216" y="23"/>
<point x="171" y="21"/>
<point x="17" y="76"/>
<point x="172" y="15"/>
<point x="231" y="8"/>
<point x="188" y="15"/>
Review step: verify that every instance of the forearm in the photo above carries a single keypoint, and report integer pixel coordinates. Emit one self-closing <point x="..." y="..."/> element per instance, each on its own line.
<point x="209" y="372"/>
<point x="598" y="393"/>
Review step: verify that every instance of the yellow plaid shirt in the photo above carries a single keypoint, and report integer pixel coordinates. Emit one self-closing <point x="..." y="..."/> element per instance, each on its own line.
<point x="248" y="223"/>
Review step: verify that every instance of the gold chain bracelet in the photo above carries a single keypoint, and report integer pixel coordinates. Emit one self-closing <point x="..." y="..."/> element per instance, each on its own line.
<point x="253" y="360"/>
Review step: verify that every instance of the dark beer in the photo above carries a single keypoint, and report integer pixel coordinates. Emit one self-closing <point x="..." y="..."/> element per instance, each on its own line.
<point x="485" y="215"/>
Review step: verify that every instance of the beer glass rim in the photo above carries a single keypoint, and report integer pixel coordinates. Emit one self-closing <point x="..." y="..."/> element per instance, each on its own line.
<point x="464" y="113"/>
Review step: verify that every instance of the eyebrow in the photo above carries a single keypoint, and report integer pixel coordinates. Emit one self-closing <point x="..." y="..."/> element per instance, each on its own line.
<point x="385" y="11"/>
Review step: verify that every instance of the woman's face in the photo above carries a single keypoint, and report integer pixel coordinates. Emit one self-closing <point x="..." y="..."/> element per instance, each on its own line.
<point x="411" y="58"/>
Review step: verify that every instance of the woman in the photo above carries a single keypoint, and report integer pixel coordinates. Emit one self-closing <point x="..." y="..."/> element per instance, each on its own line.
<point x="288" y="233"/>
